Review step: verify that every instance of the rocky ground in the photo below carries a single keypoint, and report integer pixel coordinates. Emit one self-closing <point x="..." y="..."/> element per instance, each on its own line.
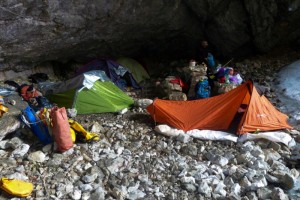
<point x="132" y="161"/>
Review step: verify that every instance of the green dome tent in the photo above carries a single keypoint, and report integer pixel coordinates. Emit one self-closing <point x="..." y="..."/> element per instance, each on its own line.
<point x="137" y="70"/>
<point x="91" y="92"/>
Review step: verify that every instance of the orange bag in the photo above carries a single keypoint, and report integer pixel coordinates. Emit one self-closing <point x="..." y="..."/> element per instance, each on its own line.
<point x="61" y="129"/>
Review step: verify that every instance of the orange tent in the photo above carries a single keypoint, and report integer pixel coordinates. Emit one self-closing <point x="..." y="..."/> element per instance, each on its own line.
<point x="221" y="112"/>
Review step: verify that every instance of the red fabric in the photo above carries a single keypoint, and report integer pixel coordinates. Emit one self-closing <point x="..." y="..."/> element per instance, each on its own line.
<point x="26" y="96"/>
<point x="61" y="129"/>
<point x="178" y="81"/>
<point x="222" y="79"/>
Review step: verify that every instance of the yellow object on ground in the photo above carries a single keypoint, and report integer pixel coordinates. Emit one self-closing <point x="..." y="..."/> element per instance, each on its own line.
<point x="3" y="109"/>
<point x="79" y="129"/>
<point x="16" y="187"/>
<point x="44" y="115"/>
<point x="73" y="135"/>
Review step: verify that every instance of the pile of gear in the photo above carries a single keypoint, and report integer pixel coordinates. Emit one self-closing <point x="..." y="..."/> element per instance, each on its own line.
<point x="198" y="80"/>
<point x="172" y="88"/>
<point x="47" y="121"/>
<point x="225" y="79"/>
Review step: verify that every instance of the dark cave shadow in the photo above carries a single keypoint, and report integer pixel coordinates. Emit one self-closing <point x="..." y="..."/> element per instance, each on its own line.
<point x="142" y="119"/>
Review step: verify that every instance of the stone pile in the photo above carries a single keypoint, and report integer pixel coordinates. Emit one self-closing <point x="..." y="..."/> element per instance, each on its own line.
<point x="131" y="161"/>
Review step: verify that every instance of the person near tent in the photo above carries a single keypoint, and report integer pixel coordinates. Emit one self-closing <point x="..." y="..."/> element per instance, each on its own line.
<point x="202" y="54"/>
<point x="205" y="55"/>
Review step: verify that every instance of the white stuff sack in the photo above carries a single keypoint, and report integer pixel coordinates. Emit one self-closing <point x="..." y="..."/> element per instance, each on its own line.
<point x="212" y="135"/>
<point x="275" y="136"/>
<point x="168" y="131"/>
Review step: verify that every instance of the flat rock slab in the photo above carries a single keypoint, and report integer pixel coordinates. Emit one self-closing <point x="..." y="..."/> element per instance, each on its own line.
<point x="11" y="120"/>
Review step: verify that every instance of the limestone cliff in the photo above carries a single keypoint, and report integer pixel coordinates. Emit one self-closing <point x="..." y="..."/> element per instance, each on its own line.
<point x="34" y="31"/>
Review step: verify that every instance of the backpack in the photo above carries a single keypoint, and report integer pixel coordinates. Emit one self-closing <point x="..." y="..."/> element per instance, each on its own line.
<point x="202" y="89"/>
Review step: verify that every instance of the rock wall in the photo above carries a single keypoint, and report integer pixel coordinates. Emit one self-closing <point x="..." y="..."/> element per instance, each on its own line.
<point x="35" y="31"/>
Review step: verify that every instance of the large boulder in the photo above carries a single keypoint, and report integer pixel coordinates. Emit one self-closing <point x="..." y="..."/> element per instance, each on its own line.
<point x="11" y="121"/>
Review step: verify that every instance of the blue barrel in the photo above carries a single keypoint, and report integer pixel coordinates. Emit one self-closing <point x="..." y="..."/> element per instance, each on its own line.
<point x="37" y="126"/>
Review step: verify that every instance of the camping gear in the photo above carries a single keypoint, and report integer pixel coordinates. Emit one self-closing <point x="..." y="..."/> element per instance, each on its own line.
<point x="202" y="89"/>
<point x="210" y="60"/>
<point x="73" y="135"/>
<point x="221" y="88"/>
<point x="177" y="80"/>
<point x="6" y="91"/>
<point x="91" y="92"/>
<point x="40" y="102"/>
<point x="16" y="187"/>
<point x="28" y="91"/>
<point x="275" y="136"/>
<point x="177" y="96"/>
<point x="85" y="135"/>
<point x="3" y="109"/>
<point x="136" y="69"/>
<point x="192" y="63"/>
<point x="36" y="125"/>
<point x="44" y="115"/>
<point x="61" y="129"/>
<point x="218" y="112"/>
<point x="114" y="71"/>
<point x="2" y="100"/>
<point x="195" y="74"/>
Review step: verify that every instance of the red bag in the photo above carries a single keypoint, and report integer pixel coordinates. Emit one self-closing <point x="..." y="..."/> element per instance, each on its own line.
<point x="61" y="129"/>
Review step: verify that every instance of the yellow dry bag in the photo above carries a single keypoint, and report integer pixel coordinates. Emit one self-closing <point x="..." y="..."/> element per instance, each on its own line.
<point x="88" y="136"/>
<point x="16" y="187"/>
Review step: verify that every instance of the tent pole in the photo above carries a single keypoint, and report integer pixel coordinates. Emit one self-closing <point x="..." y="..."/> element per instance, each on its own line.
<point x="228" y="62"/>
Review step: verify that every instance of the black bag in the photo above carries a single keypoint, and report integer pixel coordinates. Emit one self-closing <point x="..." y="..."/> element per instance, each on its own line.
<point x="38" y="77"/>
